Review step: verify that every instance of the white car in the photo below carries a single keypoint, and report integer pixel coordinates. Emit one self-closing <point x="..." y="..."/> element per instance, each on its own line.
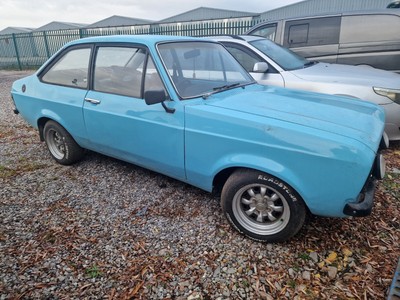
<point x="271" y="64"/>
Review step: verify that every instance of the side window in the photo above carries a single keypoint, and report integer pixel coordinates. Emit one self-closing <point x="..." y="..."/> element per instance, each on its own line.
<point x="119" y="70"/>
<point x="365" y="28"/>
<point x="268" y="31"/>
<point x="298" y="34"/>
<point x="70" y="70"/>
<point x="153" y="80"/>
<point x="312" y="32"/>
<point x="246" y="58"/>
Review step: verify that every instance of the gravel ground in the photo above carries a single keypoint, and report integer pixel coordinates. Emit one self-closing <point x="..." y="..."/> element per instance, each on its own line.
<point x="103" y="228"/>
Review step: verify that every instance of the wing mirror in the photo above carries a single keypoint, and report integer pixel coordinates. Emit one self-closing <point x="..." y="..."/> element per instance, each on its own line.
<point x="260" y="67"/>
<point x="157" y="96"/>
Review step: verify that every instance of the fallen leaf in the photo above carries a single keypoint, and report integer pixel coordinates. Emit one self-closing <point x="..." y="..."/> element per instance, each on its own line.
<point x="347" y="252"/>
<point x="332" y="257"/>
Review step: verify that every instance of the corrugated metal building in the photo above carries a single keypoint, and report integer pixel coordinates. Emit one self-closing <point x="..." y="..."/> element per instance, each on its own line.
<point x="313" y="7"/>
<point x="118" y="21"/>
<point x="207" y="13"/>
<point x="60" y="26"/>
<point x="11" y="30"/>
<point x="117" y="25"/>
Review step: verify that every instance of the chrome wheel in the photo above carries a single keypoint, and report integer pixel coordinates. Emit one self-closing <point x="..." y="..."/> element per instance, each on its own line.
<point x="262" y="206"/>
<point x="56" y="143"/>
<point x="261" y="209"/>
<point x="61" y="144"/>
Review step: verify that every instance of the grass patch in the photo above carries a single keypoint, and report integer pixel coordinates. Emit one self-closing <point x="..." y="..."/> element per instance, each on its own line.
<point x="391" y="184"/>
<point x="93" y="272"/>
<point x="6" y="172"/>
<point x="20" y="168"/>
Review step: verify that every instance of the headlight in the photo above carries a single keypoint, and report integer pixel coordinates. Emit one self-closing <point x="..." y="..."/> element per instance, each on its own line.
<point x="384" y="141"/>
<point x="392" y="94"/>
<point x="379" y="168"/>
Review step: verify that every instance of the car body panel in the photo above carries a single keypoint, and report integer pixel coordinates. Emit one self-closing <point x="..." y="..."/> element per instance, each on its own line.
<point x="294" y="135"/>
<point x="297" y="144"/>
<point x="63" y="105"/>
<point x="362" y="37"/>
<point x="131" y="130"/>
<point x="335" y="79"/>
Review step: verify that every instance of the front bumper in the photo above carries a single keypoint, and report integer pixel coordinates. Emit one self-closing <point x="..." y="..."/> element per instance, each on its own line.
<point x="15" y="110"/>
<point x="365" y="200"/>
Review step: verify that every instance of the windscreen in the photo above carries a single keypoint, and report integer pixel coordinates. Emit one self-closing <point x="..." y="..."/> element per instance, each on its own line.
<point x="287" y="59"/>
<point x="199" y="68"/>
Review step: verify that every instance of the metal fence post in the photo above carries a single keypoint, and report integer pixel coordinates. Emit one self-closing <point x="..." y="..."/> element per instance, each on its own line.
<point x="16" y="51"/>
<point x="46" y="44"/>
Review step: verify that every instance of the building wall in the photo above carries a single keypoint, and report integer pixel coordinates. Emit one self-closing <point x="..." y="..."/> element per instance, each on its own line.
<point x="312" y="7"/>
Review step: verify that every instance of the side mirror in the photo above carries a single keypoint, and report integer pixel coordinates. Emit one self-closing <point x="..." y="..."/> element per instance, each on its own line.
<point x="157" y="96"/>
<point x="260" y="67"/>
<point x="154" y="96"/>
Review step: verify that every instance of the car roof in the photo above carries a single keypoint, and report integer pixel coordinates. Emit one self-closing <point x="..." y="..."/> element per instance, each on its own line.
<point x="142" y="39"/>
<point x="245" y="38"/>
<point x="384" y="11"/>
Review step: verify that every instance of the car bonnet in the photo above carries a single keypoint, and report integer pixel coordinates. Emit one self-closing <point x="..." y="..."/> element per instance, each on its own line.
<point x="345" y="74"/>
<point x="355" y="119"/>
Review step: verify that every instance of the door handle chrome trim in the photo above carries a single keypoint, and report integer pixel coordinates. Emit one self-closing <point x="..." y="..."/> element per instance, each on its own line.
<point x="93" y="101"/>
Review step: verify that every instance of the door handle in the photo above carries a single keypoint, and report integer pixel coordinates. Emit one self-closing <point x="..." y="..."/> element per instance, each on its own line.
<point x="93" y="101"/>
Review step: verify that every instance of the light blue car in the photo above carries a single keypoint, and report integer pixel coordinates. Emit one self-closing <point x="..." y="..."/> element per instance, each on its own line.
<point x="184" y="107"/>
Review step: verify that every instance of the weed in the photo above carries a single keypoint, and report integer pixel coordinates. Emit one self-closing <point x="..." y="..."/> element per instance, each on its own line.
<point x="21" y="167"/>
<point x="304" y="256"/>
<point x="93" y="272"/>
<point x="6" y="172"/>
<point x="291" y="283"/>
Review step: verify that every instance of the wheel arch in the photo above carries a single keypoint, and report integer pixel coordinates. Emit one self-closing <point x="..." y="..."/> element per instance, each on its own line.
<point x="347" y="95"/>
<point x="41" y="122"/>
<point x="45" y="116"/>
<point x="283" y="174"/>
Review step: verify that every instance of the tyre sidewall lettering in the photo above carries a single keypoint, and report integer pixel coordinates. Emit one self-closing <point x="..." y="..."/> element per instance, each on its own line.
<point x="264" y="178"/>
<point x="245" y="177"/>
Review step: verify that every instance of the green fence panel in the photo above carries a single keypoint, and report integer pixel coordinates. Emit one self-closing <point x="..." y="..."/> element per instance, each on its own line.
<point x="31" y="50"/>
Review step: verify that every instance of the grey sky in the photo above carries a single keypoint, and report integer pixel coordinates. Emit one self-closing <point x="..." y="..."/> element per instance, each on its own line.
<point x="36" y="13"/>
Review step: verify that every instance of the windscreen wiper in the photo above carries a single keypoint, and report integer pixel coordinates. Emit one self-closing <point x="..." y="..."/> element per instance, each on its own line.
<point x="225" y="87"/>
<point x="309" y="64"/>
<point x="221" y="88"/>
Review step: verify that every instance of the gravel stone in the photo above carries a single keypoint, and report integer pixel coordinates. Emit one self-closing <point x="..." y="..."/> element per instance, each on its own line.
<point x="332" y="272"/>
<point x="314" y="256"/>
<point x="306" y="275"/>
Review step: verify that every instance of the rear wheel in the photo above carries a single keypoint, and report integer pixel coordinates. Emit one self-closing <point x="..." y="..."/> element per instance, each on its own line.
<point x="61" y="145"/>
<point x="262" y="206"/>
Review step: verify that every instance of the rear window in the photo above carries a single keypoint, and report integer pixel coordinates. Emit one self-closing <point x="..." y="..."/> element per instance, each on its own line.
<point x="71" y="69"/>
<point x="370" y="28"/>
<point x="312" y="32"/>
<point x="267" y="31"/>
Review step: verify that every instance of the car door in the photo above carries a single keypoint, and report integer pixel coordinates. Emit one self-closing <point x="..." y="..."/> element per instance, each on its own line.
<point x="118" y="121"/>
<point x="314" y="38"/>
<point x="65" y="84"/>
<point x="247" y="58"/>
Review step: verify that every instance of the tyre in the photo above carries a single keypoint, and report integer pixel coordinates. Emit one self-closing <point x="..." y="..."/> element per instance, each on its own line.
<point x="261" y="206"/>
<point x="61" y="145"/>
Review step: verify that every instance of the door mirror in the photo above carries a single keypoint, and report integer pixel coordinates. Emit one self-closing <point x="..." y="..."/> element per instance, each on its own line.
<point x="260" y="67"/>
<point x="154" y="97"/>
<point x="157" y="96"/>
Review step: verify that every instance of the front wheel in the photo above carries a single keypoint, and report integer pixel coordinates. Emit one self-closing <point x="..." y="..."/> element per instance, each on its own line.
<point x="261" y="206"/>
<point x="61" y="145"/>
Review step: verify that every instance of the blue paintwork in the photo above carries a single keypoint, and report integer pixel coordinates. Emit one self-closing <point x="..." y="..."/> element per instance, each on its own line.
<point x="323" y="146"/>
